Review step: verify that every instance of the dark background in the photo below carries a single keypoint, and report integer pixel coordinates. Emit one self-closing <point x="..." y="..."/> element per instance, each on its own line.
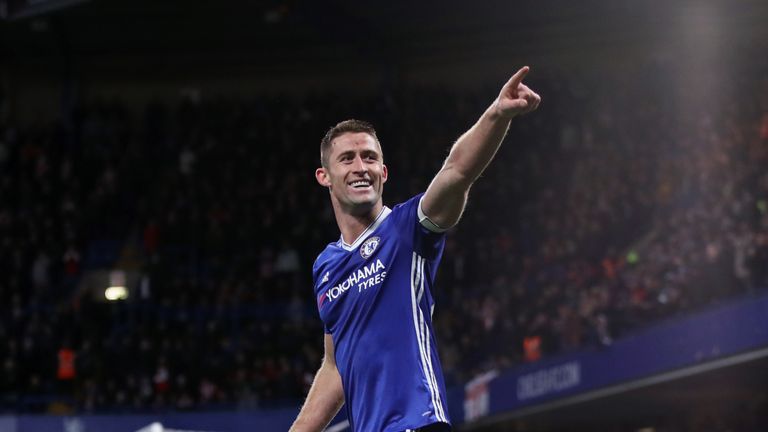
<point x="176" y="142"/>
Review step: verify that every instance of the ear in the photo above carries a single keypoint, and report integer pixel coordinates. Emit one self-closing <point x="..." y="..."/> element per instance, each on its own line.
<point x="384" y="173"/>
<point x="322" y="177"/>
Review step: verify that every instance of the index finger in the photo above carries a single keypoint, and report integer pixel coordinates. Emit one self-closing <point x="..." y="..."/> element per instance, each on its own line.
<point x="517" y="78"/>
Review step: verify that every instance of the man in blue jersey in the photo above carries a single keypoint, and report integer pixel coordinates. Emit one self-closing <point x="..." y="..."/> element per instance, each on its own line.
<point x="374" y="285"/>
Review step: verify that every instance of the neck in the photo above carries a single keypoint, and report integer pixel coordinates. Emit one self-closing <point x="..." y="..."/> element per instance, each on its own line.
<point x="353" y="224"/>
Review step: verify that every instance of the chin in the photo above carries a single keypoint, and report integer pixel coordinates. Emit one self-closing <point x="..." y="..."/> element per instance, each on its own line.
<point x="361" y="206"/>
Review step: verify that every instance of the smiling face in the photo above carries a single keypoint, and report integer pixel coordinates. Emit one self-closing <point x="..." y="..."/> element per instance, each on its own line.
<point x="355" y="173"/>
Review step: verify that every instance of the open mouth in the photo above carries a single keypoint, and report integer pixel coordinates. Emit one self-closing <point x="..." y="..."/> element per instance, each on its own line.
<point x="360" y="184"/>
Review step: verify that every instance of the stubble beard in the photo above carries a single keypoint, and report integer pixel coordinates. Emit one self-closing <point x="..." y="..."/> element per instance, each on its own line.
<point x="358" y="206"/>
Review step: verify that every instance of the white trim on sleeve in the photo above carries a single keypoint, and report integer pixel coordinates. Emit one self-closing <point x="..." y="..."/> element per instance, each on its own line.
<point x="426" y="222"/>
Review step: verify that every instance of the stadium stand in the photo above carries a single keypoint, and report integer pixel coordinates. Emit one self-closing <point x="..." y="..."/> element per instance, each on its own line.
<point x="610" y="273"/>
<point x="589" y="226"/>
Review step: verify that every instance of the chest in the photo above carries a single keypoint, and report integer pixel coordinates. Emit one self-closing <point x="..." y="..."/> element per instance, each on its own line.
<point x="353" y="283"/>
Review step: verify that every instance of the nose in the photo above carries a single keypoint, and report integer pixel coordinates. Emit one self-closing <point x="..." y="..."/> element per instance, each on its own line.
<point x="358" y="165"/>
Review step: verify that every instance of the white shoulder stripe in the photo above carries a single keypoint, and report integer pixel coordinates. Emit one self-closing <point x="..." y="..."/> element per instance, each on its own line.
<point x="427" y="340"/>
<point x="422" y="336"/>
<point x="415" y="275"/>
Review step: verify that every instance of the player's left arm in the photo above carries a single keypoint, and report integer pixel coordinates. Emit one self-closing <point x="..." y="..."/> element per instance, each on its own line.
<point x="444" y="201"/>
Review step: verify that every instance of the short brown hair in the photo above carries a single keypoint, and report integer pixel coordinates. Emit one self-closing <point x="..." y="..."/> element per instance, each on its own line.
<point x="347" y="126"/>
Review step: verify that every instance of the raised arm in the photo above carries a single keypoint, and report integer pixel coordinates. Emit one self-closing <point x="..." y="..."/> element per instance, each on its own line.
<point x="325" y="398"/>
<point x="446" y="196"/>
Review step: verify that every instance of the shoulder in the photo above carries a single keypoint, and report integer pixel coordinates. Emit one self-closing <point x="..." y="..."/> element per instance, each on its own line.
<point x="410" y="204"/>
<point x="410" y="211"/>
<point x="411" y="228"/>
<point x="407" y="211"/>
<point x="328" y="254"/>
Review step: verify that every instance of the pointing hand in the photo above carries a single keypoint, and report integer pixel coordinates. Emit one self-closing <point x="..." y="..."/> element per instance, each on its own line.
<point x="515" y="97"/>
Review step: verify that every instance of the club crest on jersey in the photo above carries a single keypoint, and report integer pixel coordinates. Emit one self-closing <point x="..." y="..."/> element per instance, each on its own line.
<point x="369" y="247"/>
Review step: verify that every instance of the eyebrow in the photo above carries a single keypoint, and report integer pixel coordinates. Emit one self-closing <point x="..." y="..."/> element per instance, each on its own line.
<point x="344" y="154"/>
<point x="366" y="152"/>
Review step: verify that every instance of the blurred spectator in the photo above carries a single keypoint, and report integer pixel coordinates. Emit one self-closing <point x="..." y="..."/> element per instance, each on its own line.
<point x="588" y="226"/>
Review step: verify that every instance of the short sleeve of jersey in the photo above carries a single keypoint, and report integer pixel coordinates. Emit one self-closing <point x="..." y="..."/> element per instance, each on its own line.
<point x="425" y="242"/>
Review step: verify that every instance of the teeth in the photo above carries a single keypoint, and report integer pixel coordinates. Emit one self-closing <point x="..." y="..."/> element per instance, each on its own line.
<point x="360" y="183"/>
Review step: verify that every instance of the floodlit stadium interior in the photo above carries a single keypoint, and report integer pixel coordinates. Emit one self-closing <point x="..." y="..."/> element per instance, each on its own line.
<point x="159" y="215"/>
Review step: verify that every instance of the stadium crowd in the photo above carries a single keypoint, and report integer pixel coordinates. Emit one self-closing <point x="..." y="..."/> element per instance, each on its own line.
<point x="590" y="224"/>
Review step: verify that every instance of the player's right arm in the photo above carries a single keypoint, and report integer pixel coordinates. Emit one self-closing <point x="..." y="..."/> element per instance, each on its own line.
<point x="325" y="398"/>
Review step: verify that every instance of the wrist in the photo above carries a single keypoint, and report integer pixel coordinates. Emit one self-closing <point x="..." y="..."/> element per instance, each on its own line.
<point x="495" y="114"/>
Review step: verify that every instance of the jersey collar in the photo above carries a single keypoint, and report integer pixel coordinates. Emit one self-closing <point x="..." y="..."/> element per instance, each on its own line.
<point x="385" y="211"/>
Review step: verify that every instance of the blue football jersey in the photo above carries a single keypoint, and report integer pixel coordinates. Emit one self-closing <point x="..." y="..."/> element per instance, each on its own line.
<point x="374" y="298"/>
